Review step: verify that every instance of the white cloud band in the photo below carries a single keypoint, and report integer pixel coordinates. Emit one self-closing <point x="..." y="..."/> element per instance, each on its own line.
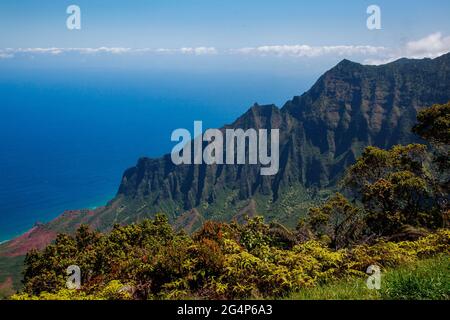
<point x="10" y="52"/>
<point x="310" y="51"/>
<point x="430" y="46"/>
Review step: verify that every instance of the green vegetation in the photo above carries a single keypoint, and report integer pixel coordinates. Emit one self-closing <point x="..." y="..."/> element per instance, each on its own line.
<point x="428" y="279"/>
<point x="346" y="289"/>
<point x="434" y="124"/>
<point x="227" y="261"/>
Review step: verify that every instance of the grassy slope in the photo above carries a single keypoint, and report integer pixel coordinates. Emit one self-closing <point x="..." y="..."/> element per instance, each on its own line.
<point x="10" y="275"/>
<point x="426" y="279"/>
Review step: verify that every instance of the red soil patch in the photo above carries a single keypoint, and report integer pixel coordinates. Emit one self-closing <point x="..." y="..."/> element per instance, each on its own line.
<point x="188" y="220"/>
<point x="37" y="237"/>
<point x="42" y="235"/>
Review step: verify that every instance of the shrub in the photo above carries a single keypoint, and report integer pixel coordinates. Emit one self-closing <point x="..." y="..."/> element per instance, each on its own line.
<point x="224" y="261"/>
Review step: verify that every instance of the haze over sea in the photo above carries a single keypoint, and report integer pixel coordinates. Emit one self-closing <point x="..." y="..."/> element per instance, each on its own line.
<point x="68" y="135"/>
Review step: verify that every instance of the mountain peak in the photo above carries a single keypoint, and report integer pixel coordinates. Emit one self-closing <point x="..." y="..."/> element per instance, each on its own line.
<point x="345" y="63"/>
<point x="345" y="66"/>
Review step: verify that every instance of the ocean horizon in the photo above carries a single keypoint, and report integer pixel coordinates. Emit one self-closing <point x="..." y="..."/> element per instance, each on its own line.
<point x="68" y="140"/>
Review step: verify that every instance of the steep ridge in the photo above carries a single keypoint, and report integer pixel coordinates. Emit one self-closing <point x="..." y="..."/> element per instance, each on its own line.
<point x="321" y="133"/>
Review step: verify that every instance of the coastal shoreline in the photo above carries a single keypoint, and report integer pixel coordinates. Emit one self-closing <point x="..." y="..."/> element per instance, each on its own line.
<point x="89" y="207"/>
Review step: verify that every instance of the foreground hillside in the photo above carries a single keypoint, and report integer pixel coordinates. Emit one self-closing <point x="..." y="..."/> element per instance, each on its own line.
<point x="221" y="261"/>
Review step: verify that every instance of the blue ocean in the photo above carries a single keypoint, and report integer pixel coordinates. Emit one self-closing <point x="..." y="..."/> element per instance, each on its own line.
<point x="67" y="137"/>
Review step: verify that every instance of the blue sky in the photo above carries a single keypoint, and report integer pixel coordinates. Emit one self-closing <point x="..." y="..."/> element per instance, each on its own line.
<point x="272" y="29"/>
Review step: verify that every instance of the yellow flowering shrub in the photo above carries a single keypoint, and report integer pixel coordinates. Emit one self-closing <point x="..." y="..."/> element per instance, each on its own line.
<point x="220" y="262"/>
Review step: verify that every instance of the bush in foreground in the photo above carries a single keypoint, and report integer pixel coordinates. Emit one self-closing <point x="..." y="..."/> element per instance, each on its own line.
<point x="222" y="261"/>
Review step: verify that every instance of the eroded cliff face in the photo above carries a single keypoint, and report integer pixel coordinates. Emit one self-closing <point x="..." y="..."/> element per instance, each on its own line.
<point x="322" y="132"/>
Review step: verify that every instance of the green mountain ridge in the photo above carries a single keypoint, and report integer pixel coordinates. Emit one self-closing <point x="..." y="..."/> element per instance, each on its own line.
<point x="322" y="132"/>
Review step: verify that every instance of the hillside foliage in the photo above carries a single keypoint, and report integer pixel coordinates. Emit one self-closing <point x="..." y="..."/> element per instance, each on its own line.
<point x="222" y="261"/>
